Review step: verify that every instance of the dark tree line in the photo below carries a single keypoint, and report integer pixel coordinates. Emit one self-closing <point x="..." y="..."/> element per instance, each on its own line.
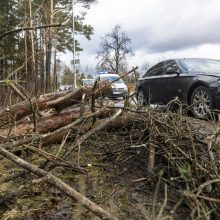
<point x="32" y="33"/>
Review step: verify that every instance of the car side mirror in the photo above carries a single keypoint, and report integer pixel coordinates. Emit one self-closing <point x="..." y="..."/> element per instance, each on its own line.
<point x="172" y="70"/>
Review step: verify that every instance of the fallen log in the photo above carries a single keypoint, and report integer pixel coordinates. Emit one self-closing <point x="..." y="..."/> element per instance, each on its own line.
<point x="58" y="101"/>
<point x="18" y="111"/>
<point x="57" y="135"/>
<point x="45" y="124"/>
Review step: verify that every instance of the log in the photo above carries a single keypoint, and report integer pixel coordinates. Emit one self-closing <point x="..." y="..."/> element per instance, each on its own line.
<point x="18" y="111"/>
<point x="45" y="124"/>
<point x="57" y="135"/>
<point x="56" y="100"/>
<point x="22" y="109"/>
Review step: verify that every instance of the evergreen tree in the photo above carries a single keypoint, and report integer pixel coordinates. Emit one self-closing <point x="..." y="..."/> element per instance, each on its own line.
<point x="36" y="50"/>
<point x="68" y="77"/>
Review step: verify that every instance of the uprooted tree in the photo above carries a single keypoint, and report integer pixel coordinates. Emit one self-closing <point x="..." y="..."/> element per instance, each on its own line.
<point x="32" y="120"/>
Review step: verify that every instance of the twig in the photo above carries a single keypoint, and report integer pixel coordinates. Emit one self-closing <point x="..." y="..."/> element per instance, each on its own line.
<point x="156" y="194"/>
<point x="151" y="157"/>
<point x="63" y="143"/>
<point x="207" y="183"/>
<point x="164" y="204"/>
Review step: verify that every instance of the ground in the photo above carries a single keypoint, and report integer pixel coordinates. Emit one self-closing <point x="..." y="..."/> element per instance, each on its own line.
<point x="117" y="179"/>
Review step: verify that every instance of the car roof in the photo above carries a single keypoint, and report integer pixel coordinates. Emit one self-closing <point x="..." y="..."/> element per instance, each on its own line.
<point x="108" y="74"/>
<point x="188" y="58"/>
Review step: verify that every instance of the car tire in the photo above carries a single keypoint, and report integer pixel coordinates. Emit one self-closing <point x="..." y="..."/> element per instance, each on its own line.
<point x="201" y="102"/>
<point x="141" y="101"/>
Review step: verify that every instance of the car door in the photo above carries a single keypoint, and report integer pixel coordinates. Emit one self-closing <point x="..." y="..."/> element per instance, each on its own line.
<point x="171" y="82"/>
<point x="152" y="83"/>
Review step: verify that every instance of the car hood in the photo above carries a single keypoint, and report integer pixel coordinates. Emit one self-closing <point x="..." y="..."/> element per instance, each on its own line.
<point x="208" y="74"/>
<point x="119" y="85"/>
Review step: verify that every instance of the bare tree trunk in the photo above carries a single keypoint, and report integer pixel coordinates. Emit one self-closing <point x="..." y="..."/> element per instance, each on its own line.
<point x="2" y="88"/>
<point x="36" y="63"/>
<point x="48" y="62"/>
<point x="41" y="56"/>
<point x="55" y="71"/>
<point x="49" y="49"/>
<point x="33" y="74"/>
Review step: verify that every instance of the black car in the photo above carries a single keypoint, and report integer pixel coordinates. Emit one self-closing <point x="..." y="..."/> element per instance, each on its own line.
<point x="195" y="81"/>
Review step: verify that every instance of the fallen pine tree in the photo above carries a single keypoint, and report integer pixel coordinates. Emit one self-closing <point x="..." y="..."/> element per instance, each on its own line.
<point x="169" y="150"/>
<point x="185" y="160"/>
<point x="17" y="130"/>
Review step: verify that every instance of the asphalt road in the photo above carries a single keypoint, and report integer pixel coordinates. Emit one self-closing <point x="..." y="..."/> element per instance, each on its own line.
<point x="205" y="126"/>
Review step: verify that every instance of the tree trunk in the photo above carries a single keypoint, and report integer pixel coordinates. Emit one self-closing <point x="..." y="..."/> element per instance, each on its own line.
<point x="33" y="71"/>
<point x="44" y="124"/>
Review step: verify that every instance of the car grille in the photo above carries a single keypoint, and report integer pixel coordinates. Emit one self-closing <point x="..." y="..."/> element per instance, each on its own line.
<point x="118" y="89"/>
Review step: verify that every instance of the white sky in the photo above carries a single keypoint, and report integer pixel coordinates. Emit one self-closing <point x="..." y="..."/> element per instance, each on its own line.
<point x="159" y="29"/>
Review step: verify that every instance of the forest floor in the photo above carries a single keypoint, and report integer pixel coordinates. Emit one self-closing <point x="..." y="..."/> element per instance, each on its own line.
<point x="116" y="179"/>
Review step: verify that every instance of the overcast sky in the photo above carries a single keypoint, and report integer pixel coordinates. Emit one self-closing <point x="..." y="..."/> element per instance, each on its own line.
<point x="159" y="29"/>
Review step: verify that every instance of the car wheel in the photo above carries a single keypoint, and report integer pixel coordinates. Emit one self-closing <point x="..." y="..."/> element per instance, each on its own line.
<point x="140" y="98"/>
<point x="202" y="102"/>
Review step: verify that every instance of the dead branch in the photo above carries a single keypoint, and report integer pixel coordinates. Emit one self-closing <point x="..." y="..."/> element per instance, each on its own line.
<point x="22" y="96"/>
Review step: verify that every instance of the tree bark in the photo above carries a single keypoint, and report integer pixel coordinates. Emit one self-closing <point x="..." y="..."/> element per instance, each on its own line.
<point x="44" y="124"/>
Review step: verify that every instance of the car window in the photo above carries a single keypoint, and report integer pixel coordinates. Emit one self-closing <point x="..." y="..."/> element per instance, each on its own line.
<point x="200" y="65"/>
<point x="88" y="82"/>
<point x="172" y="64"/>
<point x="156" y="70"/>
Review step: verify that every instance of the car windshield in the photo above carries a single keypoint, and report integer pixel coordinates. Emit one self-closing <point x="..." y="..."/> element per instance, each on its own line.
<point x="111" y="78"/>
<point x="88" y="82"/>
<point x="200" y="65"/>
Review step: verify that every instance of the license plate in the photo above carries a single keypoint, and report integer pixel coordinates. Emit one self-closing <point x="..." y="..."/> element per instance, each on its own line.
<point x="116" y="93"/>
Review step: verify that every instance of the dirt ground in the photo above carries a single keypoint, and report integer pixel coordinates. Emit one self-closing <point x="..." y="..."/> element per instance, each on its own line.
<point x="117" y="179"/>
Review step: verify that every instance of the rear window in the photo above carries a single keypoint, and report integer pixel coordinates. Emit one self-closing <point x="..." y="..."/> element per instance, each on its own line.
<point x="88" y="82"/>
